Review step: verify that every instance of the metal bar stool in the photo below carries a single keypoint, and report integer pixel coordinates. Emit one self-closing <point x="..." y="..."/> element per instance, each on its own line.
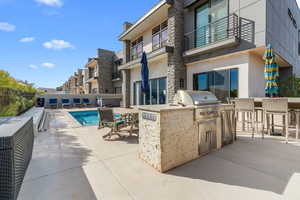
<point x="246" y="107"/>
<point x="276" y="106"/>
<point x="296" y="113"/>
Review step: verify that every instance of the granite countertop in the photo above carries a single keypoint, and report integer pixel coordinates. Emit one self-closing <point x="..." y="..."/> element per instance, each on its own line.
<point x="164" y="107"/>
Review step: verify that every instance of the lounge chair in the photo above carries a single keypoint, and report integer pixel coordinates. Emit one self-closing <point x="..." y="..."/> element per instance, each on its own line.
<point x="86" y="102"/>
<point x="65" y="102"/>
<point x="53" y="103"/>
<point x="77" y="102"/>
<point x="107" y="119"/>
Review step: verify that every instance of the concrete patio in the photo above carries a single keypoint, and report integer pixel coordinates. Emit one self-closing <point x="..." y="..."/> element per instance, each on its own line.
<point x="71" y="162"/>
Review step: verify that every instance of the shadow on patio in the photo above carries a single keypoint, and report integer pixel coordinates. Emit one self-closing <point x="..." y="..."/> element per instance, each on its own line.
<point x="259" y="164"/>
<point x="57" y="166"/>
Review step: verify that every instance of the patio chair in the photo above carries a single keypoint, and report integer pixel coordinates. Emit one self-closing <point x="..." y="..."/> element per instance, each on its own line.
<point x="77" y="102"/>
<point x="247" y="108"/>
<point x="276" y="106"/>
<point x="86" y="102"/>
<point x="65" y="102"/>
<point x="53" y="102"/>
<point x="107" y="119"/>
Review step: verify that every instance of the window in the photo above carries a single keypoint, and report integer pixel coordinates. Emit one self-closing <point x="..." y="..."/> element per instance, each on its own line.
<point x="136" y="49"/>
<point x="160" y="36"/>
<point x="156" y="95"/>
<point x="223" y="83"/>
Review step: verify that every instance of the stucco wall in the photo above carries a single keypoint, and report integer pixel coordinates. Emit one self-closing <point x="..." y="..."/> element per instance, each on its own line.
<point x="281" y="32"/>
<point x="157" y="69"/>
<point x="253" y="10"/>
<point x="241" y="62"/>
<point x="256" y="76"/>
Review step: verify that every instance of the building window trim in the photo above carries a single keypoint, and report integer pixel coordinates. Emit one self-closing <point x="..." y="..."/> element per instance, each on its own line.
<point x="136" y="48"/>
<point x="159" y="32"/>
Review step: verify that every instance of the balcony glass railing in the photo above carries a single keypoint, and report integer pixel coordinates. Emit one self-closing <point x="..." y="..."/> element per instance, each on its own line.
<point x="222" y="29"/>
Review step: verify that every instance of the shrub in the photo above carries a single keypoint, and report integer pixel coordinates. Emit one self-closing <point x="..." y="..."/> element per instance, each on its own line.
<point x="290" y="87"/>
<point x="16" y="97"/>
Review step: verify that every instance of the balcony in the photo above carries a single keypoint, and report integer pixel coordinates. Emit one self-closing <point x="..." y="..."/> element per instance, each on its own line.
<point x="116" y="75"/>
<point x="152" y="56"/>
<point x="92" y="75"/>
<point x="223" y="33"/>
<point x="150" y="19"/>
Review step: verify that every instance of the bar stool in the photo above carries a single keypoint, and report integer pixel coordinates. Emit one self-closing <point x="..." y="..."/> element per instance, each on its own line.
<point x="297" y="114"/>
<point x="246" y="107"/>
<point x="273" y="107"/>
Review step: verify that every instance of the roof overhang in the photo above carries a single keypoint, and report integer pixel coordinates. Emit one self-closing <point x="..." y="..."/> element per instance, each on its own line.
<point x="150" y="19"/>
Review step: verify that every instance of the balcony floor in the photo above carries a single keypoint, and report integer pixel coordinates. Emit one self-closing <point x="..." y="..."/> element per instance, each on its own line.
<point x="73" y="162"/>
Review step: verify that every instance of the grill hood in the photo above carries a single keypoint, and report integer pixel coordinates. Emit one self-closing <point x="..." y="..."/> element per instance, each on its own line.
<point x="195" y="98"/>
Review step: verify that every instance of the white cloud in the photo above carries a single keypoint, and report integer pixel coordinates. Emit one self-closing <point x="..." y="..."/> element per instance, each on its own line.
<point x="27" y="39"/>
<point x="58" y="45"/>
<point x="33" y="66"/>
<point x="53" y="3"/>
<point x="298" y="1"/>
<point x="48" y="65"/>
<point x="4" y="26"/>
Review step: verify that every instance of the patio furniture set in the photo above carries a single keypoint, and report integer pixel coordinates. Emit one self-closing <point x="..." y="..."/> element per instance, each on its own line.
<point x="262" y="111"/>
<point x="77" y="102"/>
<point x="117" y="122"/>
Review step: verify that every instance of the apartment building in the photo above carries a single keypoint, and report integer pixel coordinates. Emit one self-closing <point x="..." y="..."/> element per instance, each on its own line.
<point x="214" y="45"/>
<point x="103" y="73"/>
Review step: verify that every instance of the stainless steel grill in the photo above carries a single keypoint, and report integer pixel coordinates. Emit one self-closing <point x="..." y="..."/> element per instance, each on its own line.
<point x="206" y="114"/>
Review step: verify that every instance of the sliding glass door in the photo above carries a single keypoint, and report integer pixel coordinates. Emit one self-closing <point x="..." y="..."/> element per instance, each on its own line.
<point x="156" y="95"/>
<point x="202" y="21"/>
<point x="211" y="22"/>
<point x="223" y="83"/>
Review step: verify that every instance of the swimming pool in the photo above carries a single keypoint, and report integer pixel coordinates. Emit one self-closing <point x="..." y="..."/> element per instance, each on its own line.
<point x="86" y="118"/>
<point x="89" y="117"/>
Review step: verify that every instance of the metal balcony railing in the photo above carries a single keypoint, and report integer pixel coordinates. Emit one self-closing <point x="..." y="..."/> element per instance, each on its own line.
<point x="116" y="75"/>
<point x="219" y="30"/>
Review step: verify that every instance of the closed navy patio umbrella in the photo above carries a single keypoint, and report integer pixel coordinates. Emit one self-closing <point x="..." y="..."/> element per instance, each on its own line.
<point x="145" y="74"/>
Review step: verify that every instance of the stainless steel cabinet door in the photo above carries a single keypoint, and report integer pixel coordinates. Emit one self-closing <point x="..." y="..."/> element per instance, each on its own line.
<point x="207" y="136"/>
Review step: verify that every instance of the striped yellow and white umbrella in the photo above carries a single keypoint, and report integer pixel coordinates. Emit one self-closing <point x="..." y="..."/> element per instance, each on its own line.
<point x="271" y="72"/>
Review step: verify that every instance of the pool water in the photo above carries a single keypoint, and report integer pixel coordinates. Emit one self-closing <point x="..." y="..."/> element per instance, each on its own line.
<point x="86" y="118"/>
<point x="89" y="117"/>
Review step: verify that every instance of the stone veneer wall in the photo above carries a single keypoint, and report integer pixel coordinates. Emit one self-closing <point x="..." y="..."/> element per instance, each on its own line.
<point x="176" y="68"/>
<point x="179" y="138"/>
<point x="170" y="141"/>
<point x="149" y="141"/>
<point x="105" y="67"/>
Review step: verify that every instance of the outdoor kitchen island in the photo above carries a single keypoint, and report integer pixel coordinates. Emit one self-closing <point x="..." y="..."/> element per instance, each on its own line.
<point x="171" y="135"/>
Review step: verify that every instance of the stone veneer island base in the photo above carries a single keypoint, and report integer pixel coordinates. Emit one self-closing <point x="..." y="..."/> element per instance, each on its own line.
<point x="169" y="136"/>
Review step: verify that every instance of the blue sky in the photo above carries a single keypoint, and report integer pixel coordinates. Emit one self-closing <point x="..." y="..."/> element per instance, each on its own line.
<point x="45" y="41"/>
